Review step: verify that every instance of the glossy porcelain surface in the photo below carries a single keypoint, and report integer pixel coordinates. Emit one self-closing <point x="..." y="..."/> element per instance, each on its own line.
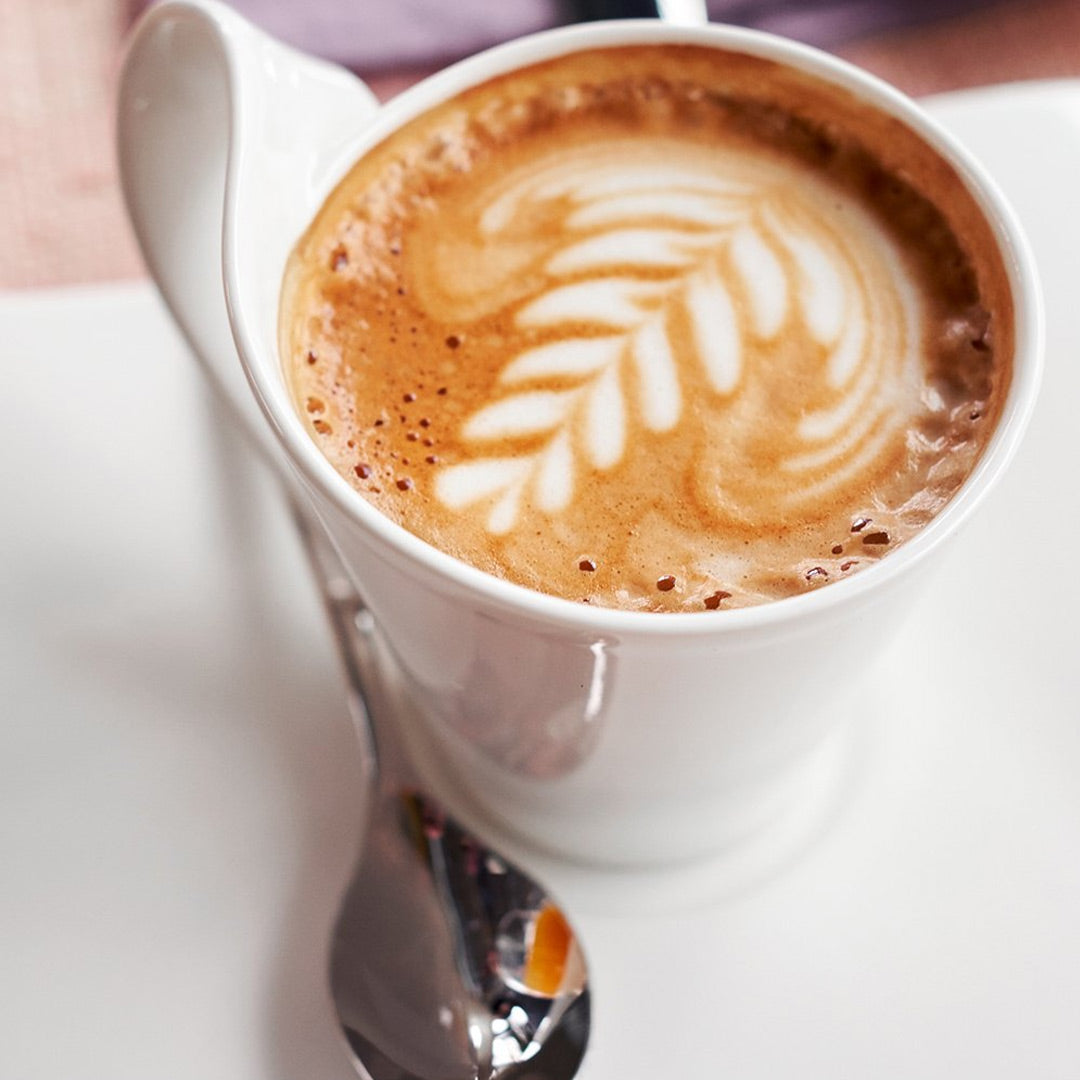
<point x="597" y="734"/>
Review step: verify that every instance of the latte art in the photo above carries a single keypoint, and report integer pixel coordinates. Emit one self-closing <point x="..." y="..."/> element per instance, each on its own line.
<point x="659" y="328"/>
<point x="705" y="259"/>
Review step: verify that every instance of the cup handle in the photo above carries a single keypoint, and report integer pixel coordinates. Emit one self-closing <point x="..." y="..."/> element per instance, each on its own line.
<point x="194" y="75"/>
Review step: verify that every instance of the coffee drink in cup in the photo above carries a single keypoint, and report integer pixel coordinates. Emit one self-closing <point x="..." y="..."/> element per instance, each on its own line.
<point x="660" y="328"/>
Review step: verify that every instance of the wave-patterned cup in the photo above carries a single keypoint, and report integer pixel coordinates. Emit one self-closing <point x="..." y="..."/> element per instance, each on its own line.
<point x="605" y="735"/>
<point x="688" y="333"/>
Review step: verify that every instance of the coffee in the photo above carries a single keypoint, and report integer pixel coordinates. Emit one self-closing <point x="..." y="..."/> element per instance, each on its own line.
<point x="656" y="328"/>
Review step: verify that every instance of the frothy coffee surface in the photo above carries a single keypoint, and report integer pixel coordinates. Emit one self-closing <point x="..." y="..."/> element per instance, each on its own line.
<point x="659" y="329"/>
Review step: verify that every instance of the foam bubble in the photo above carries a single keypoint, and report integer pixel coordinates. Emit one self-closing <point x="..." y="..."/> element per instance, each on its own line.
<point x="555" y="476"/>
<point x="823" y="294"/>
<point x="683" y="206"/>
<point x="524" y="414"/>
<point x="504" y="513"/>
<point x="763" y="279"/>
<point x="661" y="399"/>
<point x="605" y="420"/>
<point x="573" y="358"/>
<point x="716" y="329"/>
<point x="606" y="301"/>
<point x="461" y="485"/>
<point x="641" y="248"/>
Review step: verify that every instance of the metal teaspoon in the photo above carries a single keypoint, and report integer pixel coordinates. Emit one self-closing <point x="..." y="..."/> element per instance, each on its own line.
<point x="447" y="962"/>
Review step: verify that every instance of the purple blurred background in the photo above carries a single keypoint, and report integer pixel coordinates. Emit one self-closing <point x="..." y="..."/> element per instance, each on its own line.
<point x="385" y="35"/>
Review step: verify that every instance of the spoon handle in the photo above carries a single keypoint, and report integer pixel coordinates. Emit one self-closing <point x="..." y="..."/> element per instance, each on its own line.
<point x="680" y="12"/>
<point x="351" y="626"/>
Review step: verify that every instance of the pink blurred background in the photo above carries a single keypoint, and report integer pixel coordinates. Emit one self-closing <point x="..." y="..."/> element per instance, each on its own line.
<point x="60" y="213"/>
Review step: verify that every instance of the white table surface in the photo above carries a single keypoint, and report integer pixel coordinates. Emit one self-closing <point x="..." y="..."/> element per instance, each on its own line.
<point x="179" y="787"/>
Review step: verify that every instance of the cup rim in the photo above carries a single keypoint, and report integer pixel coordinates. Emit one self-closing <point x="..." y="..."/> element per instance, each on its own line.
<point x="451" y="573"/>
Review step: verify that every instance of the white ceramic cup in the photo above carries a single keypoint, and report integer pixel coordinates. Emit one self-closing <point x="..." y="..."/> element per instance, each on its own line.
<point x="602" y="735"/>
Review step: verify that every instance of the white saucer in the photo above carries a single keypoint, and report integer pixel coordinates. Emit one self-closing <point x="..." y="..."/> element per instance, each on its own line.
<point x="179" y="786"/>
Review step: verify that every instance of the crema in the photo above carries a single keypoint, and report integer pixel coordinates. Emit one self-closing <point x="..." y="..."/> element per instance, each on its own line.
<point x="656" y="328"/>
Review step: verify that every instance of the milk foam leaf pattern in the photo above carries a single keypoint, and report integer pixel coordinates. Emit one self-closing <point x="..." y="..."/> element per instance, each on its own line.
<point x="717" y="333"/>
<point x="662" y="278"/>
